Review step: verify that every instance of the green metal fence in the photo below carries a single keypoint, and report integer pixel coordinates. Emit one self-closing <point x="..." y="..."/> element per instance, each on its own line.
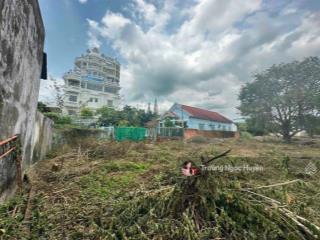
<point x="130" y="133"/>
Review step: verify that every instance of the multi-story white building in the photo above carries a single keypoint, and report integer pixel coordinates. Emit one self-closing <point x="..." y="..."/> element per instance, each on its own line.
<point x="93" y="83"/>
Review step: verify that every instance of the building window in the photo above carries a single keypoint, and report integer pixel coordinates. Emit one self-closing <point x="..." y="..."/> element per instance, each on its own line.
<point x="223" y="127"/>
<point x="110" y="90"/>
<point x="94" y="87"/>
<point x="201" y="126"/>
<point x="73" y="98"/>
<point x="110" y="103"/>
<point x="74" y="83"/>
<point x="93" y="100"/>
<point x="213" y="127"/>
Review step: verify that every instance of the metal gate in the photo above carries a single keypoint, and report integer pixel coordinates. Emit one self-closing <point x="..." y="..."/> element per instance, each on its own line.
<point x="130" y="133"/>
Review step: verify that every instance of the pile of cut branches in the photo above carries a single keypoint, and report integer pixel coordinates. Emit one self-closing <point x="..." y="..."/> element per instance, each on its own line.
<point x="205" y="206"/>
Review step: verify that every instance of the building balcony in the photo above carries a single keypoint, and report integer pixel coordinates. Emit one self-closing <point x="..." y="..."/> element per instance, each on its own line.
<point x="71" y="88"/>
<point x="72" y="75"/>
<point x="70" y="104"/>
<point x="112" y="84"/>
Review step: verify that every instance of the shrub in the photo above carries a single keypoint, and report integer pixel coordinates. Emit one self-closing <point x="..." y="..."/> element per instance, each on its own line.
<point x="245" y="135"/>
<point x="86" y="112"/>
<point x="58" y="118"/>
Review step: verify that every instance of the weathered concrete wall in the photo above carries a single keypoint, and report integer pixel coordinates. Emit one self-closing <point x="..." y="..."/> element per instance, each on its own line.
<point x="21" y="48"/>
<point x="74" y="136"/>
<point x="42" y="137"/>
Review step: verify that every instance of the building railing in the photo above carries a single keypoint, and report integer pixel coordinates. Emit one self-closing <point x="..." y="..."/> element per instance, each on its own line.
<point x="11" y="149"/>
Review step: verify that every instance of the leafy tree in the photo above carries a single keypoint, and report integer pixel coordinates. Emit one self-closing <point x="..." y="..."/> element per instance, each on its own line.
<point x="108" y="116"/>
<point x="312" y="125"/>
<point x="86" y="112"/>
<point x="123" y="123"/>
<point x="168" y="122"/>
<point x="281" y="98"/>
<point x="128" y="116"/>
<point x="42" y="107"/>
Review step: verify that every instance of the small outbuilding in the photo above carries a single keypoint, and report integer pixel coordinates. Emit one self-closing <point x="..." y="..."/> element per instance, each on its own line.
<point x="202" y="121"/>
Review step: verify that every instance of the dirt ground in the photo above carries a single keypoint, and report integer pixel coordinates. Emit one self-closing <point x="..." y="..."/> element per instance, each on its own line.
<point x="67" y="191"/>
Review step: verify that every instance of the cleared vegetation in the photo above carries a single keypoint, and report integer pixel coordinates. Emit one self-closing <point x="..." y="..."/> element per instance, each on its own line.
<point x="108" y="190"/>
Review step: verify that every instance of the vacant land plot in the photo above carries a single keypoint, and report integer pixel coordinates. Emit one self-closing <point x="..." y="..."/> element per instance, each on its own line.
<point x="89" y="190"/>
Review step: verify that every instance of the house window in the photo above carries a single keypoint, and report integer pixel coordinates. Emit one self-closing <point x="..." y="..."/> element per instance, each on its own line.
<point x="223" y="127"/>
<point x="201" y="126"/>
<point x="73" y="98"/>
<point x="110" y="103"/>
<point x="213" y="127"/>
<point x="93" y="100"/>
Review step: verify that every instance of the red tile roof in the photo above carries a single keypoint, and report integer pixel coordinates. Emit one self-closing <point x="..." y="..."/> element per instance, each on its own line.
<point x="205" y="114"/>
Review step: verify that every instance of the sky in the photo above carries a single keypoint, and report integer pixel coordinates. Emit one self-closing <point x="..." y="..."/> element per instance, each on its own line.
<point x="193" y="52"/>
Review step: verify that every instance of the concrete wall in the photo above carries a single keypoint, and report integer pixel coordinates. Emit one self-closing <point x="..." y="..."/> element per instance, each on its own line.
<point x="21" y="47"/>
<point x="42" y="137"/>
<point x="74" y="136"/>
<point x="189" y="133"/>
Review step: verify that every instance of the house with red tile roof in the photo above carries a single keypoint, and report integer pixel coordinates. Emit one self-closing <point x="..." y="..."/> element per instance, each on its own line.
<point x="196" y="118"/>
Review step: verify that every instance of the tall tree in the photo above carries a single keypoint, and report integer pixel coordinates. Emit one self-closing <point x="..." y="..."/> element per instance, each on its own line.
<point x="283" y="97"/>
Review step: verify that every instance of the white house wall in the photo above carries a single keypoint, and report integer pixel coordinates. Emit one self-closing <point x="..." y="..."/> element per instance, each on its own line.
<point x="194" y="123"/>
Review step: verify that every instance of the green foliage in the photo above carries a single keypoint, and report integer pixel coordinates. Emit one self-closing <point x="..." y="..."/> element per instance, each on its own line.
<point x="200" y="208"/>
<point x="42" y="107"/>
<point x="312" y="125"/>
<point x="86" y="112"/>
<point x="285" y="164"/>
<point x="280" y="98"/>
<point x="58" y="118"/>
<point x="245" y="135"/>
<point x="128" y="116"/>
<point x="167" y="122"/>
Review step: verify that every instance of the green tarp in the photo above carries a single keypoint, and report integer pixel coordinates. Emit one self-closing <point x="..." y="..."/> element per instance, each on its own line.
<point x="130" y="133"/>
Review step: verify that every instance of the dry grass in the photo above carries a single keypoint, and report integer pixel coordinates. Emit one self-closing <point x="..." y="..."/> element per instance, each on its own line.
<point x="74" y="189"/>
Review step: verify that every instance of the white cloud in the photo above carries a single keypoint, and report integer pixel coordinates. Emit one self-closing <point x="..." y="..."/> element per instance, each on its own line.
<point x="93" y="34"/>
<point x="83" y="1"/>
<point x="205" y="58"/>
